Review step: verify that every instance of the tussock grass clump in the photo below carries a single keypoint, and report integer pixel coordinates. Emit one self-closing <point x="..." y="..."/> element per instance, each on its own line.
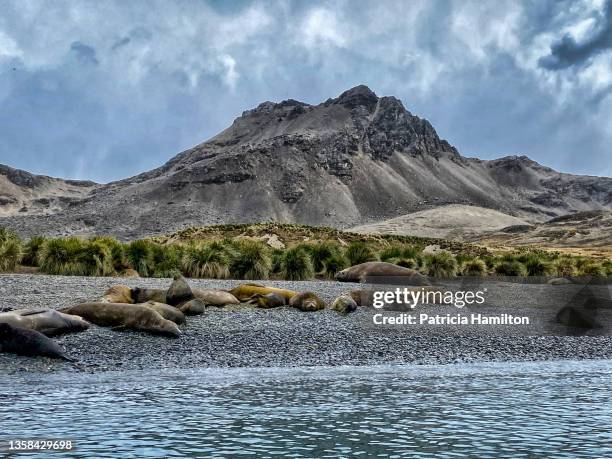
<point x="538" y="267"/>
<point x="396" y="252"/>
<point x="607" y="266"/>
<point x="475" y="268"/>
<point x="206" y="260"/>
<point x="276" y="255"/>
<point x="327" y="258"/>
<point x="139" y="255"/>
<point x="592" y="269"/>
<point x="31" y="249"/>
<point x="565" y="267"/>
<point x="333" y="264"/>
<point x="117" y="250"/>
<point x="96" y="259"/>
<point x="167" y="260"/>
<point x="62" y="256"/>
<point x="359" y="252"/>
<point x="441" y="264"/>
<point x="296" y="264"/>
<point x="510" y="268"/>
<point x="10" y="249"/>
<point x="391" y="253"/>
<point x="249" y="259"/>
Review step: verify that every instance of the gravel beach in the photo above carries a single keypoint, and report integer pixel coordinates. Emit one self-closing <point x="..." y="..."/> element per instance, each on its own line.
<point x="240" y="336"/>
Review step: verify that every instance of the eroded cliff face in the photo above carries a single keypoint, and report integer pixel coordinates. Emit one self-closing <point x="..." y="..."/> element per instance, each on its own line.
<point x="351" y="160"/>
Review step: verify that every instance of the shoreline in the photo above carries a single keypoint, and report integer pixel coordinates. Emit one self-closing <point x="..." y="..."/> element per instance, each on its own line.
<point x="239" y="336"/>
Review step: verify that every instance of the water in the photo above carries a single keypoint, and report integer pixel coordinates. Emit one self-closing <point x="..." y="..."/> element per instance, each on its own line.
<point x="552" y="409"/>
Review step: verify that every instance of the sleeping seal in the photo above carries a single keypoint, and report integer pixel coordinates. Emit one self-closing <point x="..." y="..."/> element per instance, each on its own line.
<point x="46" y="321"/>
<point x="142" y="295"/>
<point x="245" y="291"/>
<point x="388" y="271"/>
<point x="214" y="297"/>
<point x="344" y="304"/>
<point x="128" y="316"/>
<point x="267" y="301"/>
<point x="118" y="294"/>
<point x="22" y="341"/>
<point x="307" y="301"/>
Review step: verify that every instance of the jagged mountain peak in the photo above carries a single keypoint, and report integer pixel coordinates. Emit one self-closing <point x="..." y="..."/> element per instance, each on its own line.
<point x="344" y="162"/>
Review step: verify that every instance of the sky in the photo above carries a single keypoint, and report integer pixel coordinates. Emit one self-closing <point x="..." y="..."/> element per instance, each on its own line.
<point x="106" y="90"/>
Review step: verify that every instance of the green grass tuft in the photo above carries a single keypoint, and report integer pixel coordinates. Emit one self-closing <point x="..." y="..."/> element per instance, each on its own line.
<point x="249" y="259"/>
<point x="139" y="255"/>
<point x="475" y="268"/>
<point x="206" y="260"/>
<point x="441" y="264"/>
<point x="296" y="264"/>
<point x="10" y="249"/>
<point x="510" y="268"/>
<point x="359" y="252"/>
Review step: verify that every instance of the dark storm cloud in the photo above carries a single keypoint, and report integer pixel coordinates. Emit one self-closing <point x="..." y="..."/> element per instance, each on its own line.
<point x="568" y="52"/>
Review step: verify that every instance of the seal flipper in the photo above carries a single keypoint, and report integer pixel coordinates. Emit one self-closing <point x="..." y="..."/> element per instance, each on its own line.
<point x="31" y="312"/>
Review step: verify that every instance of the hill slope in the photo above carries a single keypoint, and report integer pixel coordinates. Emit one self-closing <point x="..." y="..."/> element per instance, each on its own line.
<point x="453" y="221"/>
<point x="351" y="160"/>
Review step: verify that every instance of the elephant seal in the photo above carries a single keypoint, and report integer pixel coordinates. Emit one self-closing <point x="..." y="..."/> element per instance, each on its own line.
<point x="344" y="304"/>
<point x="125" y="316"/>
<point x="118" y="294"/>
<point x="267" y="301"/>
<point x="307" y="301"/>
<point x="192" y="307"/>
<point x="245" y="291"/>
<point x="142" y="295"/>
<point x="167" y="312"/>
<point x="49" y="322"/>
<point x="179" y="292"/>
<point x="23" y="341"/>
<point x="361" y="273"/>
<point x="214" y="297"/>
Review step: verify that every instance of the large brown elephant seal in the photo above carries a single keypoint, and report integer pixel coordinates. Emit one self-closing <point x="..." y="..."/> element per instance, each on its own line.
<point x="382" y="270"/>
<point x="344" y="304"/>
<point x="128" y="316"/>
<point x="167" y="312"/>
<point x="307" y="301"/>
<point x="214" y="297"/>
<point x="118" y="294"/>
<point x="245" y="291"/>
<point x="268" y="301"/>
<point x="23" y="341"/>
<point x="142" y="295"/>
<point x="49" y="322"/>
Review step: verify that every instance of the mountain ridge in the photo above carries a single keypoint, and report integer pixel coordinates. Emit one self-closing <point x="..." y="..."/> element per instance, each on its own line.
<point x="348" y="161"/>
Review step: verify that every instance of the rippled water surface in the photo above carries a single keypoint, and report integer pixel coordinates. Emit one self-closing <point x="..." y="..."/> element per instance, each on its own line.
<point x="553" y="409"/>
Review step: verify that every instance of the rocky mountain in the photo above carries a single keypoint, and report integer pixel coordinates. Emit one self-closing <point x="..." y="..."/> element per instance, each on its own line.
<point x="348" y="161"/>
